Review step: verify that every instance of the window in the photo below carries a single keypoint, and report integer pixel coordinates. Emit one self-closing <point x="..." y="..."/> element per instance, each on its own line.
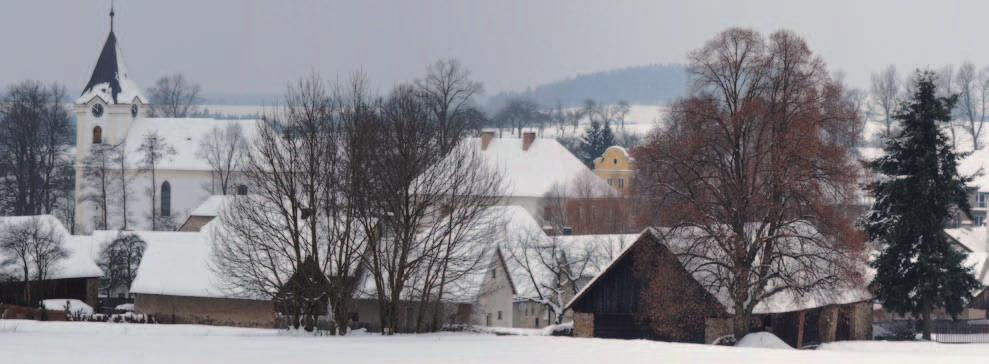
<point x="166" y="199"/>
<point x="980" y="199"/>
<point x="97" y="135"/>
<point x="537" y="322"/>
<point x="615" y="161"/>
<point x="499" y="315"/>
<point x="242" y="190"/>
<point x="494" y="273"/>
<point x="621" y="183"/>
<point x="980" y="220"/>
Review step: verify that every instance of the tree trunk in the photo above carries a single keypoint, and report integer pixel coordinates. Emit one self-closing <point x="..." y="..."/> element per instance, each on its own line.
<point x="801" y="323"/>
<point x="741" y="324"/>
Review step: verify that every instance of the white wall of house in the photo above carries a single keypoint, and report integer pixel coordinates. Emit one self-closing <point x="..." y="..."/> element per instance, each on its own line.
<point x="494" y="302"/>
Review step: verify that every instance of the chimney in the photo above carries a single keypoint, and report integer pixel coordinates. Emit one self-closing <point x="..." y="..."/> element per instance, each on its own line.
<point x="527" y="139"/>
<point x="486" y="137"/>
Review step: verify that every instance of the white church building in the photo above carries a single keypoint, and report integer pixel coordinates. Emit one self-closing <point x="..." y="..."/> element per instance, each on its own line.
<point x="113" y="111"/>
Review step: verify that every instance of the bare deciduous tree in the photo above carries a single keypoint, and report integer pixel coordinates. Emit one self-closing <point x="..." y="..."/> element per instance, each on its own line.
<point x="154" y="149"/>
<point x="119" y="259"/>
<point x="447" y="91"/>
<point x="756" y="189"/>
<point x="34" y="141"/>
<point x="224" y="150"/>
<point x="33" y="246"/>
<point x="97" y="170"/>
<point x="885" y="93"/>
<point x="973" y="94"/>
<point x="173" y="97"/>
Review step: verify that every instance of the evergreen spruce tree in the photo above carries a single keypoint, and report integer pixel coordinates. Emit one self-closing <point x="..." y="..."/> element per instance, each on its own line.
<point x="596" y="139"/>
<point x="917" y="269"/>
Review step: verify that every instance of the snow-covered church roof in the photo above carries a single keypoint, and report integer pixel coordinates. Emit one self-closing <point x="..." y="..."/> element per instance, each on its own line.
<point x="183" y="134"/>
<point x="110" y="81"/>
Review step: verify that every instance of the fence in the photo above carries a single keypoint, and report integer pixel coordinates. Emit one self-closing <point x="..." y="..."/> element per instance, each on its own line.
<point x="972" y="331"/>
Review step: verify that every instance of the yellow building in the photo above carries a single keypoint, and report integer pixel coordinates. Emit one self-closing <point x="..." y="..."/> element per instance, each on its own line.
<point x="616" y="167"/>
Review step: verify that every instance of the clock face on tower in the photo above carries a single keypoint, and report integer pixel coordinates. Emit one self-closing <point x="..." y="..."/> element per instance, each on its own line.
<point x="133" y="110"/>
<point x="97" y="110"/>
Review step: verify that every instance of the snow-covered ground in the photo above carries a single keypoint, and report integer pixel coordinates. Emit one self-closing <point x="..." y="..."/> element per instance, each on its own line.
<point x="82" y="343"/>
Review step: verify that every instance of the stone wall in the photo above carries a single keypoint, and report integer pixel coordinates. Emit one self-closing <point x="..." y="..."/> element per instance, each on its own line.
<point x="715" y="328"/>
<point x="206" y="310"/>
<point x="583" y="324"/>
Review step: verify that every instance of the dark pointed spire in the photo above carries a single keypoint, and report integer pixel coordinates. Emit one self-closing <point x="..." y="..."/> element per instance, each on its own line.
<point x="111" y="16"/>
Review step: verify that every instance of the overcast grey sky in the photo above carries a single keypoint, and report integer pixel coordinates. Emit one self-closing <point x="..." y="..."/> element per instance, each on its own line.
<point x="235" y="46"/>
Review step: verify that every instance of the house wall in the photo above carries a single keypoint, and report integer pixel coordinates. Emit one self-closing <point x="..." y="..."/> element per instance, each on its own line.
<point x="583" y="324"/>
<point x="206" y="310"/>
<point x="83" y="289"/>
<point x="189" y="190"/>
<point x="614" y="165"/>
<point x="368" y="315"/>
<point x="495" y="296"/>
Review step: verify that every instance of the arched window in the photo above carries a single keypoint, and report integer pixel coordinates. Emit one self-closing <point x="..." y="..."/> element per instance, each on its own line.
<point x="97" y="135"/>
<point x="242" y="190"/>
<point x="166" y="199"/>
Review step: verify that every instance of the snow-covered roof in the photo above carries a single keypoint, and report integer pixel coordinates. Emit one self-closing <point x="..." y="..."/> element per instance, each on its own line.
<point x="82" y="250"/>
<point x="110" y="81"/>
<point x="785" y="301"/>
<point x="523" y="238"/>
<point x="212" y="205"/>
<point x="536" y="171"/>
<point x="177" y="264"/>
<point x="183" y="134"/>
<point x="973" y="238"/>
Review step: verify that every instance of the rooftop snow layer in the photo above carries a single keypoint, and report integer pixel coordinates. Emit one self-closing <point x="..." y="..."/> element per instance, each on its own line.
<point x="82" y="250"/>
<point x="183" y="134"/>
<point x="536" y="171"/>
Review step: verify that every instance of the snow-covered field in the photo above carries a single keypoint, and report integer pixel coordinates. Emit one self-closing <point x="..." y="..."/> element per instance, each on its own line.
<point x="82" y="343"/>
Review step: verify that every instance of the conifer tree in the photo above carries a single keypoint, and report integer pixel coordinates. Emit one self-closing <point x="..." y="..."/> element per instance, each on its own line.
<point x="918" y="192"/>
<point x="596" y="139"/>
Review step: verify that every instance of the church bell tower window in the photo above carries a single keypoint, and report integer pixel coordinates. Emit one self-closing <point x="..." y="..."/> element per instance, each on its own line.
<point x="97" y="135"/>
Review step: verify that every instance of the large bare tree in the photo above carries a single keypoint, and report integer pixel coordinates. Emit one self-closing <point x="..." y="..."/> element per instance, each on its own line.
<point x="35" y="133"/>
<point x="173" y="96"/>
<point x="33" y="246"/>
<point x="752" y="174"/>
<point x="448" y="92"/>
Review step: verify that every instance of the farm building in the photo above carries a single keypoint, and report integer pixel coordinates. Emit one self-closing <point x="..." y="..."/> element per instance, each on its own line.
<point x="77" y="276"/>
<point x="626" y="301"/>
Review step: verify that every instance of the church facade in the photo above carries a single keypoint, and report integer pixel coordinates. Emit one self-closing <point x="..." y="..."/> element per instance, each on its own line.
<point x="113" y="112"/>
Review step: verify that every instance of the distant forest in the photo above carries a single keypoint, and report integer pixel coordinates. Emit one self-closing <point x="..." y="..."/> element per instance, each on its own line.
<point x="652" y="84"/>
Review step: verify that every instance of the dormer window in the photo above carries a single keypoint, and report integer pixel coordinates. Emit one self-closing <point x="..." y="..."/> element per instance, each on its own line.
<point x="97" y="135"/>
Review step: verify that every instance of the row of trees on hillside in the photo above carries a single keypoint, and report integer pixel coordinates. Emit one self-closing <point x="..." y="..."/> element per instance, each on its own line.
<point x="345" y="184"/>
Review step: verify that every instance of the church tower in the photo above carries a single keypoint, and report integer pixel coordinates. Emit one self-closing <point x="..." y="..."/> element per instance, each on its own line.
<point x="109" y="103"/>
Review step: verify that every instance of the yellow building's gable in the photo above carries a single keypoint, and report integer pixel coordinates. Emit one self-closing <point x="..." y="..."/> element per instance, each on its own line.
<point x="616" y="167"/>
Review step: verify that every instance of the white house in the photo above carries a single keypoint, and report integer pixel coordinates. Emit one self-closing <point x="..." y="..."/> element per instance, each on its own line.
<point x="112" y="111"/>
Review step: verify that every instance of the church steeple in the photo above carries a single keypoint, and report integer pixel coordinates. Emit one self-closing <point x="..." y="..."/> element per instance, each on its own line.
<point x="111" y="16"/>
<point x="110" y="81"/>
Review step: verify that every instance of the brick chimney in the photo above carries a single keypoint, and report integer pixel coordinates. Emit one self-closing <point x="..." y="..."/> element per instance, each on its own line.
<point x="486" y="137"/>
<point x="527" y="139"/>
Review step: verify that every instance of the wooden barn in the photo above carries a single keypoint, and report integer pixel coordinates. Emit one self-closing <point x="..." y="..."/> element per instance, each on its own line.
<point x="646" y="292"/>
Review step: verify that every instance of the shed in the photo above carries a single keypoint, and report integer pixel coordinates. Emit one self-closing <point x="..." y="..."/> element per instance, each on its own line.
<point x="646" y="292"/>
